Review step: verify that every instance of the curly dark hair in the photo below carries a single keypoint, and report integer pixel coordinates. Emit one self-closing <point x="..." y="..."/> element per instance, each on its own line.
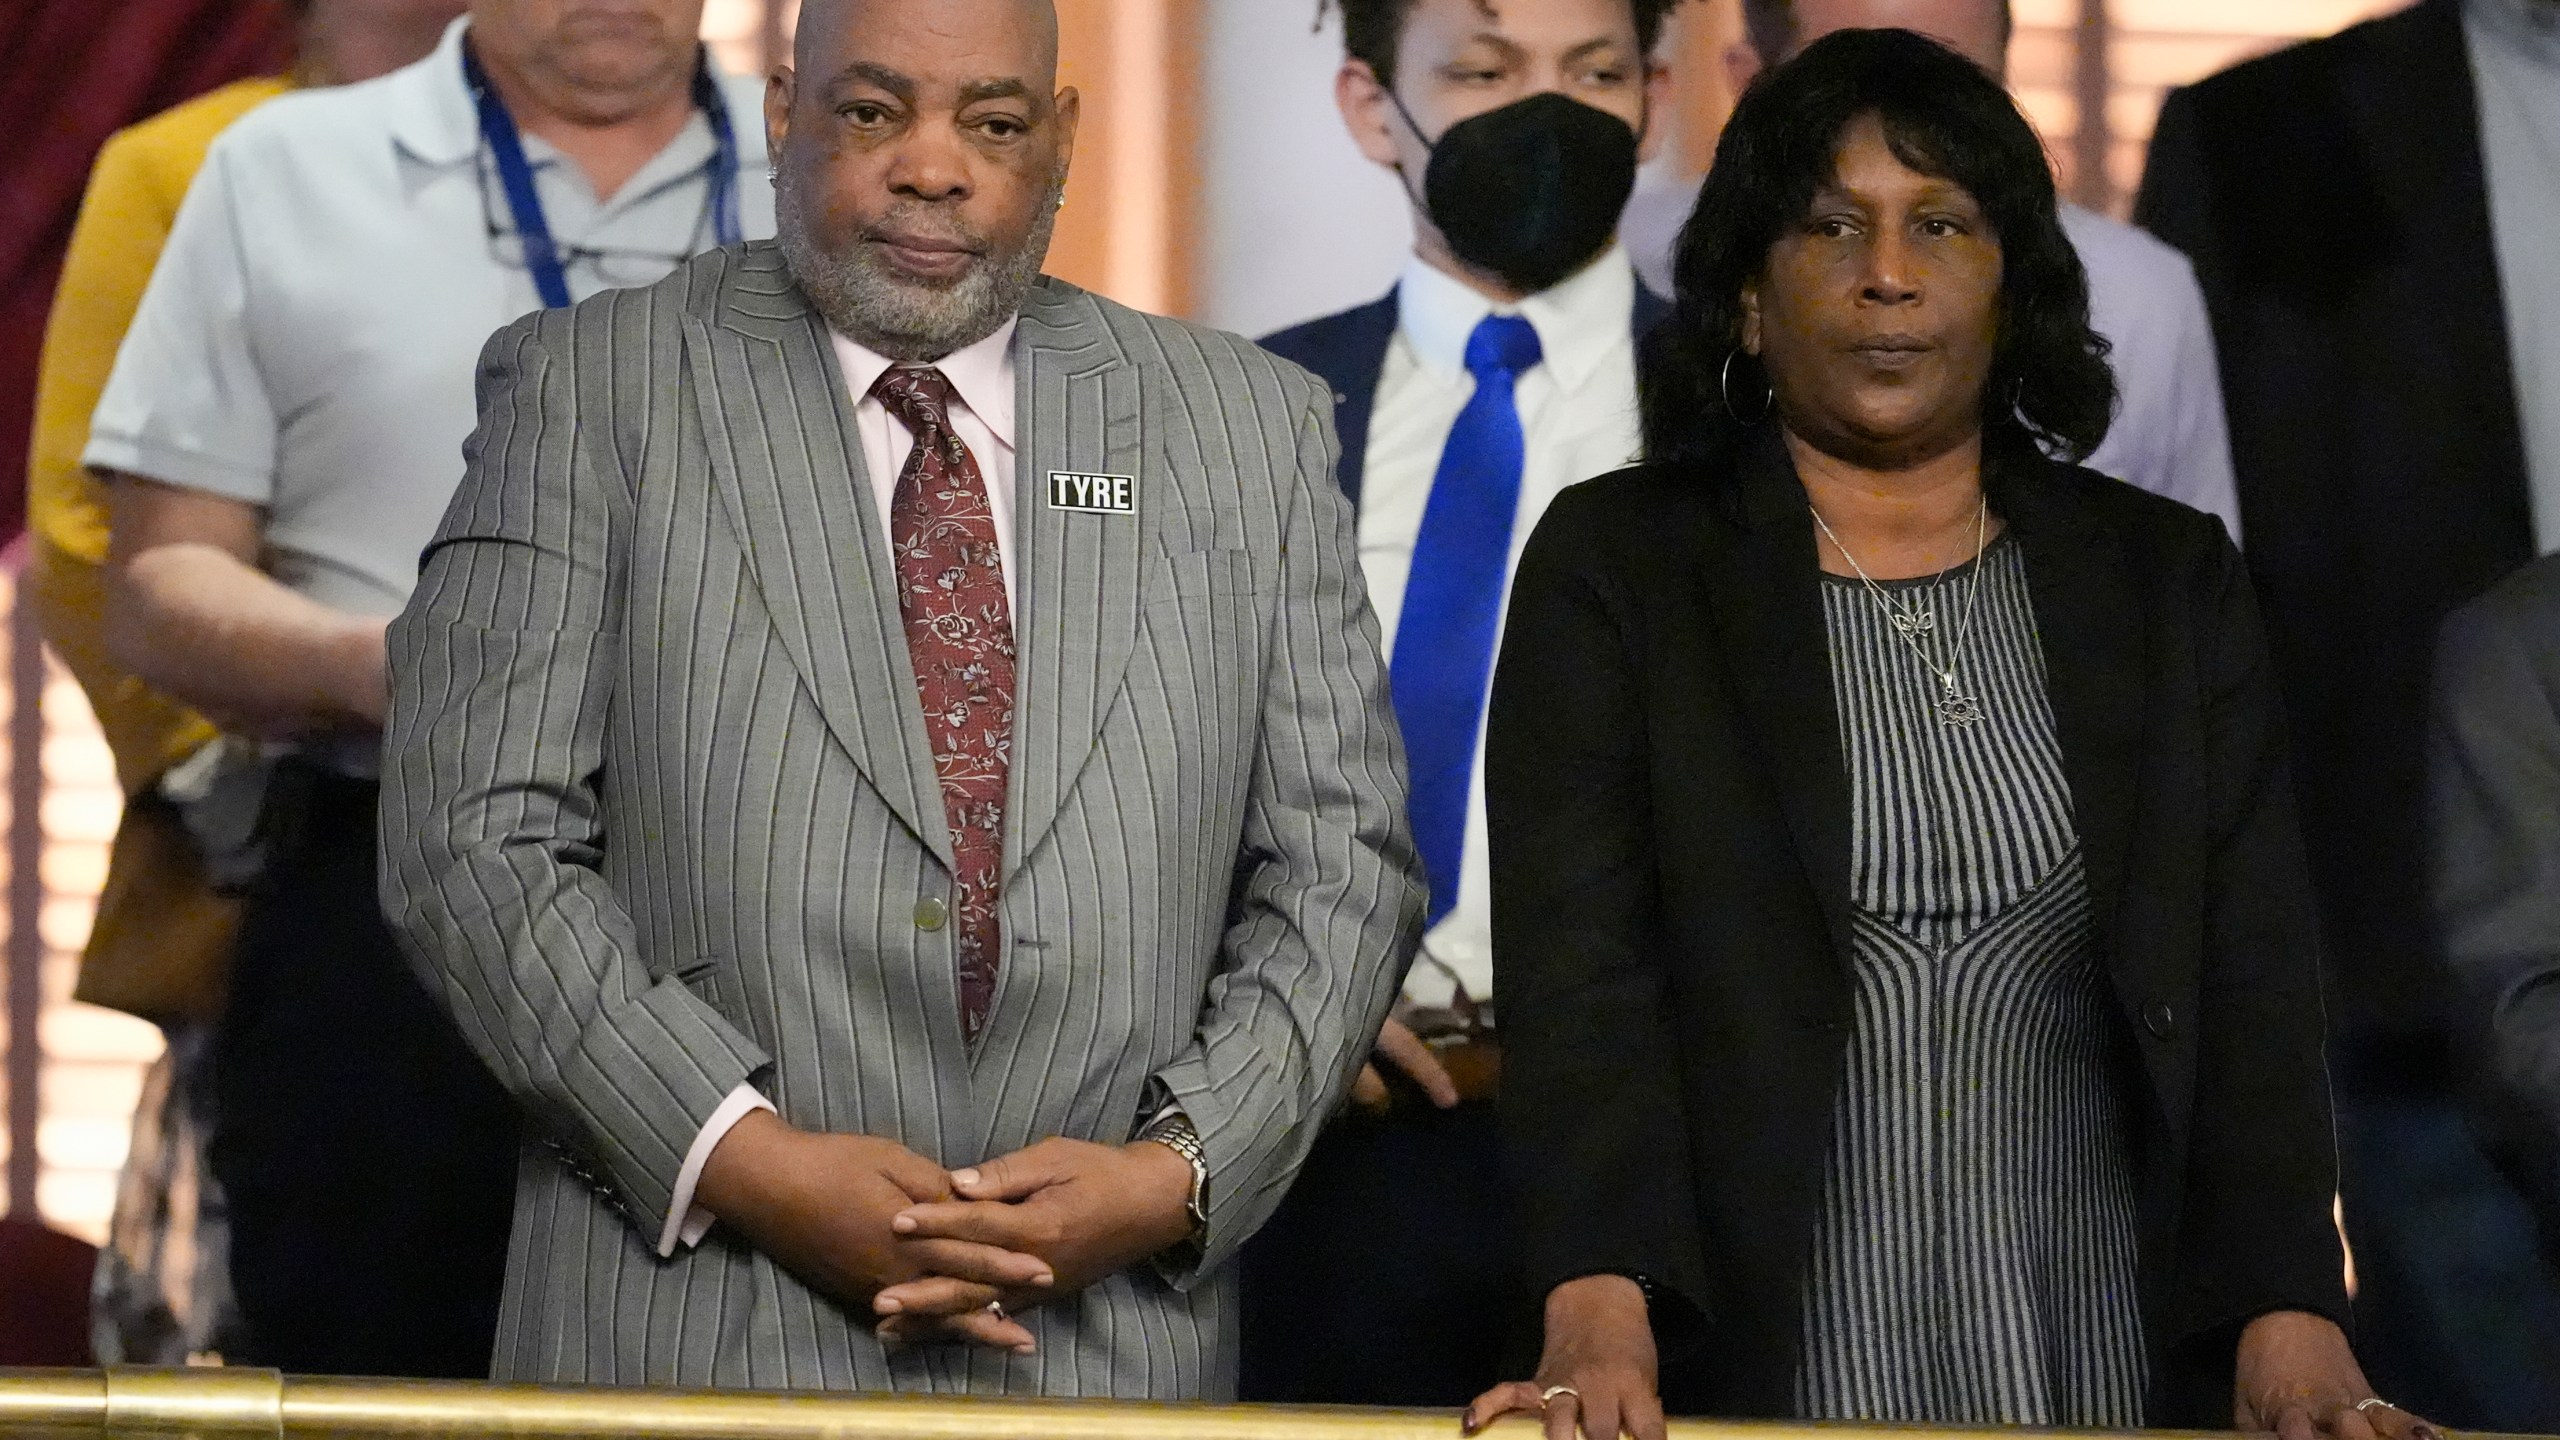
<point x="2049" y="387"/>
<point x="1371" y="29"/>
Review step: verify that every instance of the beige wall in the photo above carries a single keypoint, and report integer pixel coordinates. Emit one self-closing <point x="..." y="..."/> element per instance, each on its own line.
<point x="2153" y="46"/>
<point x="1123" y="233"/>
<point x="1143" y="221"/>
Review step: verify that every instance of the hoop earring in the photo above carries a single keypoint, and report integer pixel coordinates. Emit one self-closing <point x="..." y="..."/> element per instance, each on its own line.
<point x="1724" y="388"/>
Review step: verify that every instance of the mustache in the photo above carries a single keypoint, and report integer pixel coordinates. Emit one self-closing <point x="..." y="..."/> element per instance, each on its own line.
<point x="613" y="13"/>
<point x="913" y="223"/>
<point x="604" y="23"/>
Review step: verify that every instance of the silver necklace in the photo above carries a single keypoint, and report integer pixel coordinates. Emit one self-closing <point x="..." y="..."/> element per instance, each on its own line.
<point x="1954" y="706"/>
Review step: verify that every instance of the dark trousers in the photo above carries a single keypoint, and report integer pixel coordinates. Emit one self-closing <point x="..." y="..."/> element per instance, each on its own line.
<point x="1385" y="1277"/>
<point x="368" y="1158"/>
<point x="2457" y="1313"/>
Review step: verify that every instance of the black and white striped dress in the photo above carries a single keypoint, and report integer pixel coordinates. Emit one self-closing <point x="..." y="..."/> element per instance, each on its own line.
<point x="1975" y="1257"/>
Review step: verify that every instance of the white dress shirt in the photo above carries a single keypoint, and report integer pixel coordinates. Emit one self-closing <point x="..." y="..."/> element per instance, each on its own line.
<point x="2170" y="436"/>
<point x="1578" y="418"/>
<point x="2514" y="47"/>
<point x="982" y="416"/>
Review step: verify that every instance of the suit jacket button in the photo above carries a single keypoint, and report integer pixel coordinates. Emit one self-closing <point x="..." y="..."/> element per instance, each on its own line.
<point x="2160" y="1020"/>
<point x="932" y="914"/>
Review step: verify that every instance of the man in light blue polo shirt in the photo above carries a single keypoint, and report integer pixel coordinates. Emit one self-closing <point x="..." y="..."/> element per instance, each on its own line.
<point x="285" y="426"/>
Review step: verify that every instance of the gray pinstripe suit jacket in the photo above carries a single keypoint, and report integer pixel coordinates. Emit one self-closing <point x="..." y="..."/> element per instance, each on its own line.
<point x="659" y="810"/>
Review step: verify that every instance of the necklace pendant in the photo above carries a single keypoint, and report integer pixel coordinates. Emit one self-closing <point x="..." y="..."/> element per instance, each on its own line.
<point x="1957" y="709"/>
<point x="1916" y="622"/>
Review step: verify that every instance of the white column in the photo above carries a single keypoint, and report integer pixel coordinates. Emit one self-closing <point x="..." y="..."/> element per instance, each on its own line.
<point x="1292" y="222"/>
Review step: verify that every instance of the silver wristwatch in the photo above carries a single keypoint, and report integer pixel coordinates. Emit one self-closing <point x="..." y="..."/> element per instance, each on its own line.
<point x="1174" y="1131"/>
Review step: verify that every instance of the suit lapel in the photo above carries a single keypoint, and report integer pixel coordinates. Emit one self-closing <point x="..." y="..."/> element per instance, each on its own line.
<point x="1348" y="351"/>
<point x="2090" y="624"/>
<point x="787" y="463"/>
<point x="1767" y="603"/>
<point x="1079" y="408"/>
<point x="1651" y="310"/>
<point x="2417" y="124"/>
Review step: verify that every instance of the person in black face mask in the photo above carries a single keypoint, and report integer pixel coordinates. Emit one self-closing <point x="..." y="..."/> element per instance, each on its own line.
<point x="1500" y="370"/>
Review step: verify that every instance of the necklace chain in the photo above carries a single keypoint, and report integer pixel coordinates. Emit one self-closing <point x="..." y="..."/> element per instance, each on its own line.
<point x="1953" y="705"/>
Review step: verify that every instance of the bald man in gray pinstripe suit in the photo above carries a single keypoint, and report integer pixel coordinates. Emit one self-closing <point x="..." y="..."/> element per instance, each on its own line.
<point x="890" y="764"/>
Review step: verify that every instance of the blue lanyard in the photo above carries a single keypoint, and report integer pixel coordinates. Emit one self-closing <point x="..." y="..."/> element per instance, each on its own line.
<point x="515" y="175"/>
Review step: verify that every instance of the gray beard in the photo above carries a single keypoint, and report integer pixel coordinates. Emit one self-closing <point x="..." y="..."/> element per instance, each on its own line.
<point x="893" y="316"/>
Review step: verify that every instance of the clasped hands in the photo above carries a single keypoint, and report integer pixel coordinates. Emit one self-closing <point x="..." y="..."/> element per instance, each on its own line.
<point x="945" y="1256"/>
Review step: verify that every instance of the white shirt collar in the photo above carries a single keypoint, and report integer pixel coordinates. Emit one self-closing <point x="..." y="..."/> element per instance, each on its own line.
<point x="430" y="107"/>
<point x="982" y="376"/>
<point x="1581" y="320"/>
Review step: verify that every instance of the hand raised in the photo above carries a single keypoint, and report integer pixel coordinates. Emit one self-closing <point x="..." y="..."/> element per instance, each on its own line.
<point x="821" y="1206"/>
<point x="1084" y="1210"/>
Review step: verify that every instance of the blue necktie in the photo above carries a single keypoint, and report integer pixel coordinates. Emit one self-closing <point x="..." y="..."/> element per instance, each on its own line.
<point x="1453" y="599"/>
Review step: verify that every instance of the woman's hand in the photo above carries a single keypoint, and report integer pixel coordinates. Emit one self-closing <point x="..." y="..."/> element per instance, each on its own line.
<point x="2298" y="1378"/>
<point x="1599" y="1365"/>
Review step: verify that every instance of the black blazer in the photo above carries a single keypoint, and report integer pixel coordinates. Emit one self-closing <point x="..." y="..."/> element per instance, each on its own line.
<point x="2331" y="196"/>
<point x="1671" y="913"/>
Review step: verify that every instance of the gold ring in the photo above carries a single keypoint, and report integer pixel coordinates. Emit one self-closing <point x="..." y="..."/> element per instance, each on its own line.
<point x="1548" y="1396"/>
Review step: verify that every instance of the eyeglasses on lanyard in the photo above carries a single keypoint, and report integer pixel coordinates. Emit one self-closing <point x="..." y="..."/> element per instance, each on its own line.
<point x="532" y="244"/>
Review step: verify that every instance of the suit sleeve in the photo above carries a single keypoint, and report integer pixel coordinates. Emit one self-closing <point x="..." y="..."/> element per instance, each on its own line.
<point x="2175" y="202"/>
<point x="2494" y="751"/>
<point x="493" y="834"/>
<point x="1594" y="1129"/>
<point x="2262" y="1157"/>
<point x="1329" y="897"/>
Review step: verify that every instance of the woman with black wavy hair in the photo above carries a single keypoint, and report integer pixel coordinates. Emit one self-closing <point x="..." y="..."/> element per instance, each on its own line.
<point x="1911" y="1005"/>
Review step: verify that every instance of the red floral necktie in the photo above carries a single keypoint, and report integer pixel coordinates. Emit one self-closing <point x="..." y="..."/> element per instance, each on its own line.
<point x="960" y="640"/>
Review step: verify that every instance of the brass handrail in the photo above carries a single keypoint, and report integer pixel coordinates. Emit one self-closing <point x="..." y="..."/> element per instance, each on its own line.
<point x="237" y="1402"/>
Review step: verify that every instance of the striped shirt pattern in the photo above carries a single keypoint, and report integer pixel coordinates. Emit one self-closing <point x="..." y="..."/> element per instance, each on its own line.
<point x="1974" y="1261"/>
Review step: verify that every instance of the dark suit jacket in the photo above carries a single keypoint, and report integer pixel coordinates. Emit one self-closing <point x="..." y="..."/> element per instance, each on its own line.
<point x="1348" y="351"/>
<point x="1671" y="851"/>
<point x="2495" y="823"/>
<point x="2331" y="196"/>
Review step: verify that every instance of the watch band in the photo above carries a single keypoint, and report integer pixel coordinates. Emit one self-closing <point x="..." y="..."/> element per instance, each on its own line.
<point x="1175" y="1132"/>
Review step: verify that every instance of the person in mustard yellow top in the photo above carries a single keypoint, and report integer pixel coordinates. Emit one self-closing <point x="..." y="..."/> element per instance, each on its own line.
<point x="134" y="192"/>
<point x="162" y="940"/>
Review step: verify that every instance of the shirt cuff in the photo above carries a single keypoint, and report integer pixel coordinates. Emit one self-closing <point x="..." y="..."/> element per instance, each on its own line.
<point x="687" y="1222"/>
